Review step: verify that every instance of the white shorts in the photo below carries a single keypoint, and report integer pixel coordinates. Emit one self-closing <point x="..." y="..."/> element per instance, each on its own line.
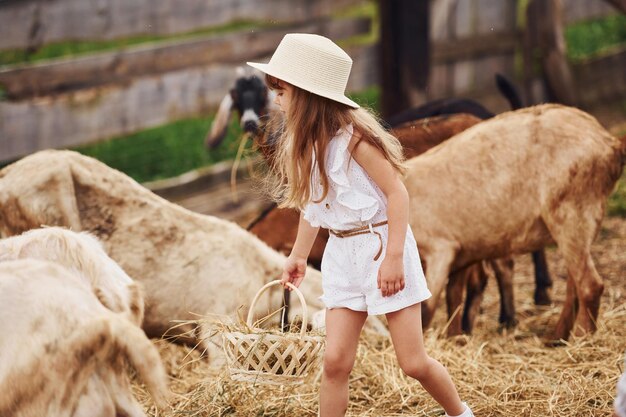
<point x="349" y="274"/>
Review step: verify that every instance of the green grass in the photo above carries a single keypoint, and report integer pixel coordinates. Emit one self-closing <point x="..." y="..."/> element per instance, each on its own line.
<point x="165" y="151"/>
<point x="72" y="48"/>
<point x="367" y="98"/>
<point x="175" y="148"/>
<point x="595" y="37"/>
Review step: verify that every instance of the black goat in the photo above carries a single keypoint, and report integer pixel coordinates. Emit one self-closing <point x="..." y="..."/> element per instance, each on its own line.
<point x="250" y="98"/>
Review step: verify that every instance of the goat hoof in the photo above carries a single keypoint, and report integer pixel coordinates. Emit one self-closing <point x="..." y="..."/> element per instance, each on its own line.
<point x="542" y="298"/>
<point x="508" y="323"/>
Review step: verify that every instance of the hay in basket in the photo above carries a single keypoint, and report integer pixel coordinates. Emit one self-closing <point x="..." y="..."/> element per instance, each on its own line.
<point x="266" y="356"/>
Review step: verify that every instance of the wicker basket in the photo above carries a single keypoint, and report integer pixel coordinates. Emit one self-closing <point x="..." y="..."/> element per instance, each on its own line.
<point x="272" y="357"/>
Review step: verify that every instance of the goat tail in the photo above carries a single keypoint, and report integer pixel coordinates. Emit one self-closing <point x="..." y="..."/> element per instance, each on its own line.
<point x="509" y="91"/>
<point x="142" y="356"/>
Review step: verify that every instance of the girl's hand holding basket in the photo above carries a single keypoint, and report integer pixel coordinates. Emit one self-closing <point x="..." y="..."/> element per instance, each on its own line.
<point x="293" y="271"/>
<point x="271" y="356"/>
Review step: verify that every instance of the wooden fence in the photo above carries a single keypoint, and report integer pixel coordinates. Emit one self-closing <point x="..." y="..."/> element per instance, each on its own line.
<point x="473" y="39"/>
<point x="575" y="10"/>
<point x="120" y="67"/>
<point x="31" y="23"/>
<point x="68" y="102"/>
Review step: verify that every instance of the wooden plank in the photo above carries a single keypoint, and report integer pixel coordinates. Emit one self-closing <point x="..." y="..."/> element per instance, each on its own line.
<point x="25" y="81"/>
<point x="475" y="47"/>
<point x="577" y="10"/>
<point x="464" y="20"/>
<point x="486" y="67"/>
<point x="601" y="79"/>
<point x="440" y="83"/>
<point x="441" y="15"/>
<point x="365" y="68"/>
<point x="208" y="191"/>
<point x="618" y="5"/>
<point x="199" y="180"/>
<point x="32" y="23"/>
<point x="494" y="16"/>
<point x="219" y="202"/>
<point x="463" y="75"/>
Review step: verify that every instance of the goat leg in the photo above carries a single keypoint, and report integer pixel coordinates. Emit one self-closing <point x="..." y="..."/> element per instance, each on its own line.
<point x="542" y="279"/>
<point x="476" y="283"/>
<point x="454" y="299"/>
<point x="438" y="260"/>
<point x="503" y="270"/>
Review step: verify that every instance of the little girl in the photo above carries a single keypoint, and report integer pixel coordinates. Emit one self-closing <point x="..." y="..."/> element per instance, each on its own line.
<point x="343" y="171"/>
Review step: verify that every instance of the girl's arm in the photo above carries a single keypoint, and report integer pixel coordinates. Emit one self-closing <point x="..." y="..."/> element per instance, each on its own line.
<point x="390" y="183"/>
<point x="295" y="265"/>
<point x="391" y="273"/>
<point x="305" y="238"/>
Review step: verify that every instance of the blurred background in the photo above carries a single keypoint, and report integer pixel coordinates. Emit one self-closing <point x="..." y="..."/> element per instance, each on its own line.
<point x="136" y="83"/>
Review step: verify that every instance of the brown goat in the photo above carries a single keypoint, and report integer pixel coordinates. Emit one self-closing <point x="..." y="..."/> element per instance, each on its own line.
<point x="552" y="165"/>
<point x="418" y="136"/>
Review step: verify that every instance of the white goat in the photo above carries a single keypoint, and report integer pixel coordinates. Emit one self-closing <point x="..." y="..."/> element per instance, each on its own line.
<point x="82" y="253"/>
<point x="64" y="353"/>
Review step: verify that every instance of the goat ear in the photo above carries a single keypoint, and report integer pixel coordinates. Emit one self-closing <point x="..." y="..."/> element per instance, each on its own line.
<point x="220" y="124"/>
<point x="38" y="191"/>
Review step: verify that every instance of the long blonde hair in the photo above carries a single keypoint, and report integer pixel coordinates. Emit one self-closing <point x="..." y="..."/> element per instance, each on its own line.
<point x="310" y="124"/>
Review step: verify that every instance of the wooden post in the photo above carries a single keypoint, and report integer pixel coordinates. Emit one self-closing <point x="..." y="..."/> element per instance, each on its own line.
<point x="544" y="26"/>
<point x="618" y="4"/>
<point x="404" y="53"/>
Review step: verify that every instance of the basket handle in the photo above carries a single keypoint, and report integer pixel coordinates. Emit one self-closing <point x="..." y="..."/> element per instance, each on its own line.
<point x="298" y="293"/>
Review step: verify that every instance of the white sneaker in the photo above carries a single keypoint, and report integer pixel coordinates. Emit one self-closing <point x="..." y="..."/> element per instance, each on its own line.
<point x="466" y="413"/>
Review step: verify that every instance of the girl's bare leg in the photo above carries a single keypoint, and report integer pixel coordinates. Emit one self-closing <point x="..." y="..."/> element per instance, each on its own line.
<point x="343" y="327"/>
<point x="405" y="327"/>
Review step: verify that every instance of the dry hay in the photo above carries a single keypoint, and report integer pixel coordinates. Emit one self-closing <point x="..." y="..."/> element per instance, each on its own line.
<point x="497" y="373"/>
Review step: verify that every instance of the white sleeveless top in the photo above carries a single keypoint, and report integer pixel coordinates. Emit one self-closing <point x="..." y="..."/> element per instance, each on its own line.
<point x="353" y="198"/>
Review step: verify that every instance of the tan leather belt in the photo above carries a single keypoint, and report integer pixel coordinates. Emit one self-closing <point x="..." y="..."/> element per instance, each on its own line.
<point x="362" y="231"/>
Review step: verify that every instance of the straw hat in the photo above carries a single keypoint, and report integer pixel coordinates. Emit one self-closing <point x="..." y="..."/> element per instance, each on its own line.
<point x="313" y="63"/>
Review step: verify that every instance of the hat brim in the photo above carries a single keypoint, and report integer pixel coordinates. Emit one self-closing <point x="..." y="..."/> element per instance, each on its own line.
<point x="275" y="72"/>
